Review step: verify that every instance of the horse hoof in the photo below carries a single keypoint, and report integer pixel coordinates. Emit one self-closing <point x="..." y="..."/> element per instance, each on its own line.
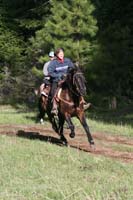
<point x="72" y="135"/>
<point x="63" y="140"/>
<point x="65" y="143"/>
<point x="92" y="146"/>
<point x="92" y="142"/>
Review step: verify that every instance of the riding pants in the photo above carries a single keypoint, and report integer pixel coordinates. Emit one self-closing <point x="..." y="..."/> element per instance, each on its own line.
<point x="53" y="89"/>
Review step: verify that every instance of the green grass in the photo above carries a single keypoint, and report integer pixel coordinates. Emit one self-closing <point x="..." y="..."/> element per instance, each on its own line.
<point x="111" y="128"/>
<point x="10" y="115"/>
<point x="122" y="147"/>
<point x="21" y="115"/>
<point x="108" y="128"/>
<point x="35" y="170"/>
<point x="119" y="122"/>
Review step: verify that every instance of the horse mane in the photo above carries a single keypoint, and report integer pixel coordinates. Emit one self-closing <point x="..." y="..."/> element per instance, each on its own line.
<point x="75" y="80"/>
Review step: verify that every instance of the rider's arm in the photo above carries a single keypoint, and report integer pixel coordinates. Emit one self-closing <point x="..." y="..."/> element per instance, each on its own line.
<point x="45" y="68"/>
<point x="70" y="64"/>
<point x="52" y="70"/>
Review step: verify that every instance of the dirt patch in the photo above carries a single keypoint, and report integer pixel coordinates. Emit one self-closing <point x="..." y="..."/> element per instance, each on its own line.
<point x="117" y="147"/>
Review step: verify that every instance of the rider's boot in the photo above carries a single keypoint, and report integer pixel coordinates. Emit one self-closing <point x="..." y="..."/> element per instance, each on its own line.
<point x="86" y="105"/>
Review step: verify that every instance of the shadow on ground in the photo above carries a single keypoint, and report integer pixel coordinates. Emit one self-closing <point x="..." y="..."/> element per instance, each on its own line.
<point x="37" y="136"/>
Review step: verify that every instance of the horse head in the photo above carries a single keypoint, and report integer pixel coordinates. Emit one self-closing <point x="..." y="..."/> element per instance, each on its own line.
<point x="77" y="81"/>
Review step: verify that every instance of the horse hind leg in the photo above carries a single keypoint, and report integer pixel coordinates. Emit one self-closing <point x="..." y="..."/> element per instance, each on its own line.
<point x="41" y="112"/>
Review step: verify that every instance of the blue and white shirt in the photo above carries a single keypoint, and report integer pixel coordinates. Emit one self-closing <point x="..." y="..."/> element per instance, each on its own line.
<point x="57" y="69"/>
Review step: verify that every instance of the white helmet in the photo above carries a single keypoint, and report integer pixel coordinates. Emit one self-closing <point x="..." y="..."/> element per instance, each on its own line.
<point x="51" y="54"/>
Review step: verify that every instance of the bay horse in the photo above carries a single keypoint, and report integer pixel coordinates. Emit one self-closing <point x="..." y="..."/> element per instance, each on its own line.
<point x="70" y="104"/>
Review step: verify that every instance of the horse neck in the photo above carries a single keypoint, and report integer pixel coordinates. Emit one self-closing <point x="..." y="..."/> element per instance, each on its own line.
<point x="72" y="87"/>
<point x="71" y="92"/>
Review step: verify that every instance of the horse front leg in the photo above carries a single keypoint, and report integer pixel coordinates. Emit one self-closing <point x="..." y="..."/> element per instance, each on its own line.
<point x="82" y="119"/>
<point x="61" y="125"/>
<point x="70" y="125"/>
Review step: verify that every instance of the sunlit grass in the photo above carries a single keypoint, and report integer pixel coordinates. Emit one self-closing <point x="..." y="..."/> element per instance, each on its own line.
<point x="117" y="129"/>
<point x="108" y="128"/>
<point x="123" y="147"/>
<point x="31" y="169"/>
<point x="22" y="115"/>
<point x="19" y="115"/>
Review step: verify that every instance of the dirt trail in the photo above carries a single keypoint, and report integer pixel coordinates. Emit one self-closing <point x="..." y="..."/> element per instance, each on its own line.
<point x="117" y="147"/>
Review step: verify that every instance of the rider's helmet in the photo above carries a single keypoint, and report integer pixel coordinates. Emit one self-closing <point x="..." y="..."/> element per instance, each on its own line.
<point x="51" y="54"/>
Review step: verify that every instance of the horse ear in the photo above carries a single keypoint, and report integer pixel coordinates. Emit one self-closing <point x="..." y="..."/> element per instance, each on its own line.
<point x="70" y="70"/>
<point x="77" y="69"/>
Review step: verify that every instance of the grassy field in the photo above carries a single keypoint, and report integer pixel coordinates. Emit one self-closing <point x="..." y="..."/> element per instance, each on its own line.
<point x="35" y="170"/>
<point x="118" y="124"/>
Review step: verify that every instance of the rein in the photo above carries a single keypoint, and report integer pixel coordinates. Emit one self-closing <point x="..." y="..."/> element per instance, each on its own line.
<point x="65" y="101"/>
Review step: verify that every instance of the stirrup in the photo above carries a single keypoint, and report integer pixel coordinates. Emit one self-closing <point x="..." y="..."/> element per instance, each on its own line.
<point x="44" y="94"/>
<point x="54" y="111"/>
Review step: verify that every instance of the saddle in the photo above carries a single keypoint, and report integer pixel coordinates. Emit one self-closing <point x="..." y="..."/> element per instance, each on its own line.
<point x="46" y="90"/>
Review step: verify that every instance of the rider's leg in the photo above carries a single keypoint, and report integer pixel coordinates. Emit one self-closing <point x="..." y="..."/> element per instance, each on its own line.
<point x="53" y="91"/>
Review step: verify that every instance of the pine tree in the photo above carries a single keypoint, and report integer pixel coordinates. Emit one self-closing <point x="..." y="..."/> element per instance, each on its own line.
<point x="113" y="63"/>
<point x="72" y="26"/>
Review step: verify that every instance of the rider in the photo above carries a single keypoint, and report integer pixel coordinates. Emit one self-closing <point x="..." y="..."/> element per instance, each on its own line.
<point x="57" y="69"/>
<point x="45" y="72"/>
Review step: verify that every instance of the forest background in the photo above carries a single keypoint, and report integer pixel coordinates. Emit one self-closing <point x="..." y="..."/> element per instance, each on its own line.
<point x="96" y="35"/>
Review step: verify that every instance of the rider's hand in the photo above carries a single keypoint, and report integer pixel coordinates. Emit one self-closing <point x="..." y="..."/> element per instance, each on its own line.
<point x="60" y="83"/>
<point x="63" y="76"/>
